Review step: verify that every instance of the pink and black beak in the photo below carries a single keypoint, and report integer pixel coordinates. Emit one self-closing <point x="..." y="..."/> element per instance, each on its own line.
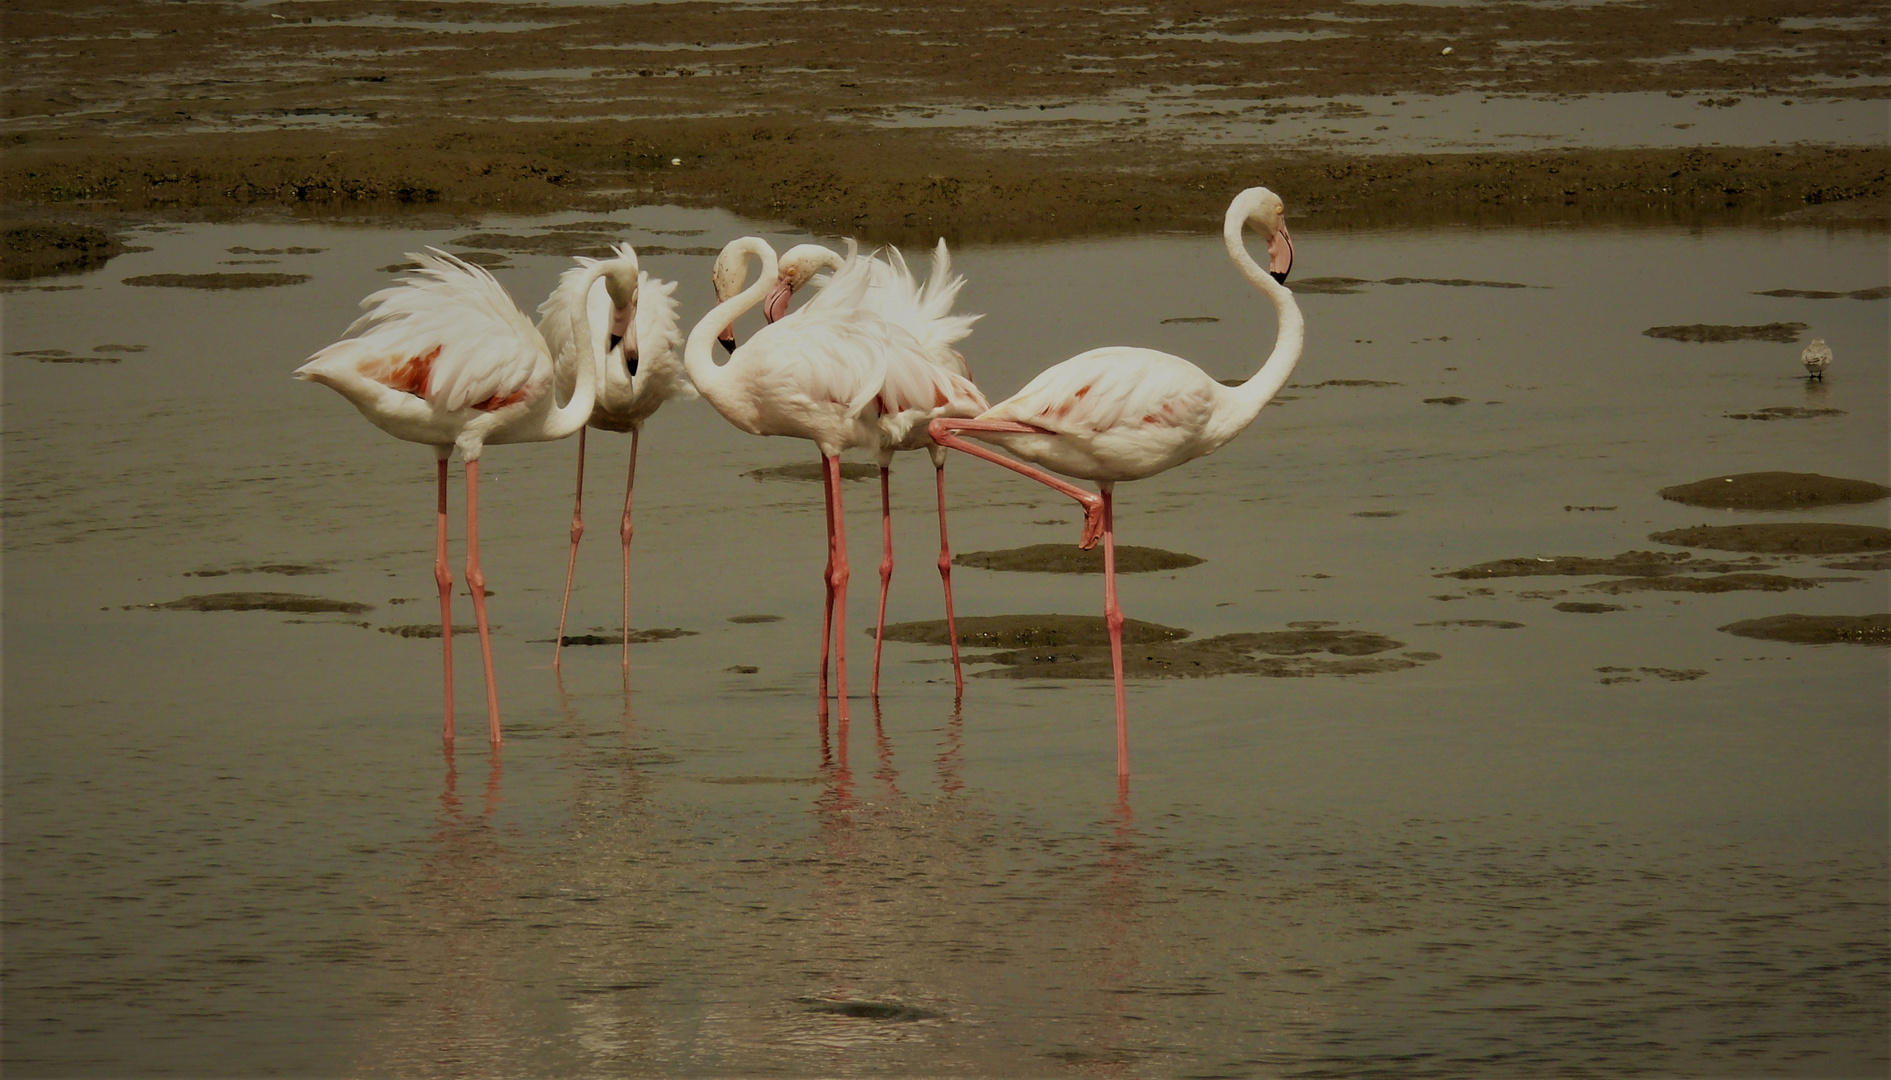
<point x="727" y="339"/>
<point x="776" y="305"/>
<point x="1280" y="254"/>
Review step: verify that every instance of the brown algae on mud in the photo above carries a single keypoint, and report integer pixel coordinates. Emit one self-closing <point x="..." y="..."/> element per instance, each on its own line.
<point x="1781" y="538"/>
<point x="1071" y="559"/>
<point x="1719" y="583"/>
<point x="1637" y="563"/>
<point x="1816" y="629"/>
<point x="1774" y="491"/>
<point x="217" y="281"/>
<point x="1077" y="647"/>
<point x="810" y="472"/>
<point x="1783" y="332"/>
<point x="296" y="603"/>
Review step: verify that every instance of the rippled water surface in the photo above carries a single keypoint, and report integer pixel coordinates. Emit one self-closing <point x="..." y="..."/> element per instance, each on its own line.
<point x="234" y="846"/>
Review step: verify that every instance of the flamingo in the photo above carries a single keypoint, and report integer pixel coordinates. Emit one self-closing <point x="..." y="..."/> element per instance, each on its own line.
<point x="641" y="371"/>
<point x="1817" y="357"/>
<point x="926" y="313"/>
<point x="834" y="373"/>
<point x="445" y="358"/>
<point x="1122" y="413"/>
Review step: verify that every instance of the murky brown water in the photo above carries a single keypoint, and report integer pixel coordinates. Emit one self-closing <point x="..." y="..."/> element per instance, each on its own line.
<point x="233" y="845"/>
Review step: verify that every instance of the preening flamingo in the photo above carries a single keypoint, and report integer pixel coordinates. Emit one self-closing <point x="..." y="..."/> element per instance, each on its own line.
<point x="1122" y="413"/>
<point x="894" y="293"/>
<point x="642" y="369"/>
<point x="447" y="359"/>
<point x="833" y="373"/>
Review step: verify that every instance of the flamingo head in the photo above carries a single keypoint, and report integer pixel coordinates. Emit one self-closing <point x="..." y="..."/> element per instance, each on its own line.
<point x="727" y="275"/>
<point x="798" y="266"/>
<point x="1267" y="214"/>
<point x="620" y="282"/>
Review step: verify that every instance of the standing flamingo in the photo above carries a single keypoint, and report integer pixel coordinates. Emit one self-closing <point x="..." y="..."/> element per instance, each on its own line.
<point x="925" y="312"/>
<point x="834" y="373"/>
<point x="1122" y="413"/>
<point x="641" y="371"/>
<point x="447" y="359"/>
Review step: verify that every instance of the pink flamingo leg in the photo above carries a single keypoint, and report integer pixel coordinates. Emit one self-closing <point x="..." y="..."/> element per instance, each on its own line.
<point x="942" y="433"/>
<point x="1113" y="618"/>
<point x="945" y="576"/>
<point x="476" y="581"/>
<point x="839" y="586"/>
<point x="624" y="531"/>
<point x="571" y="564"/>
<point x="827" y="577"/>
<point x="886" y="572"/>
<point x="444" y="578"/>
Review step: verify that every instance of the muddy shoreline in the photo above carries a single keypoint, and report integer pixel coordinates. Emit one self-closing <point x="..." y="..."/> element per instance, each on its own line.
<point x="908" y="186"/>
<point x="1029" y="120"/>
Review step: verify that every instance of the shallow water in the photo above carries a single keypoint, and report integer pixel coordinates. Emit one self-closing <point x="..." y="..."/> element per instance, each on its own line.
<point x="233" y="844"/>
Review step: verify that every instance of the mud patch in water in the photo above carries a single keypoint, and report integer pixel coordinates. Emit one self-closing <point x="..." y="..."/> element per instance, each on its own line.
<point x="1785" y="537"/>
<point x="1070" y="559"/>
<point x="1579" y="608"/>
<point x="1880" y="561"/>
<point x="217" y="281"/>
<point x="1774" y="491"/>
<point x="888" y="1011"/>
<point x="61" y="356"/>
<point x="810" y="471"/>
<point x="1614" y="675"/>
<point x="1637" y="563"/>
<point x="1785" y="412"/>
<point x="600" y="636"/>
<point x="1784" y="332"/>
<point x="431" y="630"/>
<point x="1013" y="631"/>
<point x="1350" y="382"/>
<point x="1879" y="292"/>
<point x="42" y="250"/>
<point x="746" y="619"/>
<point x="1494" y="624"/>
<point x="284" y="569"/>
<point x="241" y="250"/>
<point x="1717" y="584"/>
<point x="296" y="603"/>
<point x="1342" y="286"/>
<point x="1816" y="629"/>
<point x="1190" y="319"/>
<point x="1077" y="647"/>
<point x="1452" y="400"/>
<point x="594" y="245"/>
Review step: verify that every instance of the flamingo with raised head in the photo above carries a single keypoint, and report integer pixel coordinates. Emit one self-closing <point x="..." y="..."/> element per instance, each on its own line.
<point x="445" y="358"/>
<point x="834" y="373"/>
<point x="925" y="311"/>
<point x="1122" y="413"/>
<point x="642" y="369"/>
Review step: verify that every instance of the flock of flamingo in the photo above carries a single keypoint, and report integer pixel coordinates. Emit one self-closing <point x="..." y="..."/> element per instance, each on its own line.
<point x="446" y="359"/>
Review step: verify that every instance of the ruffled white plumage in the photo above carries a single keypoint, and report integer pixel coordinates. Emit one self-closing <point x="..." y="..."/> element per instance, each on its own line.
<point x="572" y="324"/>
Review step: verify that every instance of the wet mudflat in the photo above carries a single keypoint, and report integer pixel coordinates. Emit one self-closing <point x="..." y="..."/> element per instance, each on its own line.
<point x="1563" y="834"/>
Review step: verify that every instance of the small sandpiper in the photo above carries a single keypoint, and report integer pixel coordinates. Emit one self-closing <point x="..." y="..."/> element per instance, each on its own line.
<point x="1817" y="357"/>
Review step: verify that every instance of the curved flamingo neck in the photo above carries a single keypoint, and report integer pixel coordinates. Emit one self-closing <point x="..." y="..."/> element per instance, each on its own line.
<point x="698" y="357"/>
<point x="1250" y="397"/>
<point x="563" y="420"/>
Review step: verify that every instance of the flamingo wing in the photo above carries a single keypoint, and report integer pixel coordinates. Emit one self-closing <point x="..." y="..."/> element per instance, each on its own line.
<point x="659" y="334"/>
<point x="1110" y="389"/>
<point x="448" y="333"/>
